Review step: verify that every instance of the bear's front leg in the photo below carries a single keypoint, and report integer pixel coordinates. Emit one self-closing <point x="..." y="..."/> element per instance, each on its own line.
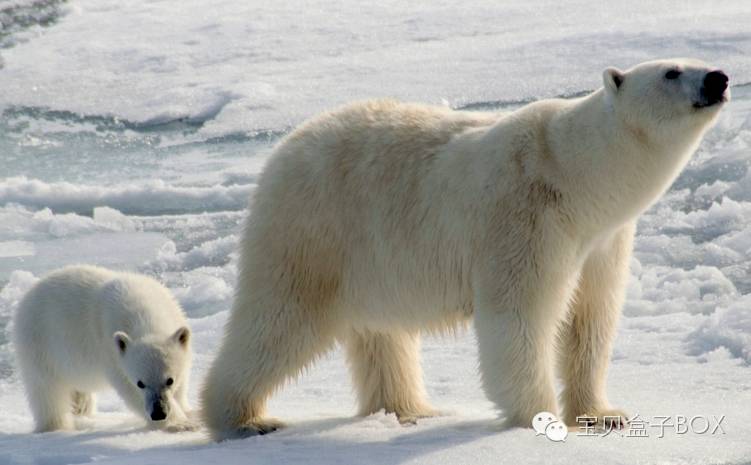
<point x="517" y="315"/>
<point x="180" y="417"/>
<point x="128" y="392"/>
<point x="515" y="365"/>
<point x="179" y="421"/>
<point x="587" y="337"/>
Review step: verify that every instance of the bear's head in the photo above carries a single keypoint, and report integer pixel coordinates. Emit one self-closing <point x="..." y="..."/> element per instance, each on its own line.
<point x="157" y="366"/>
<point x="667" y="99"/>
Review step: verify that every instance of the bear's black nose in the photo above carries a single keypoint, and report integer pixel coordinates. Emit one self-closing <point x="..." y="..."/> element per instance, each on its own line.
<point x="157" y="414"/>
<point x="715" y="83"/>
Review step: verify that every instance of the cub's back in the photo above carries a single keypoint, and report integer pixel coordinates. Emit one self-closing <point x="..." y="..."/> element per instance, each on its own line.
<point x="59" y="311"/>
<point x="139" y="306"/>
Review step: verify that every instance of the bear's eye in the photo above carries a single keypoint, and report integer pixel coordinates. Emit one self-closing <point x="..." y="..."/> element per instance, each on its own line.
<point x="672" y="74"/>
<point x="169" y="381"/>
<point x="140" y="384"/>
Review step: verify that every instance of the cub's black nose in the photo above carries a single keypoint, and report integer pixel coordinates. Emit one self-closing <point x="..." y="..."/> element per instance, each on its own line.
<point x="715" y="83"/>
<point x="157" y="414"/>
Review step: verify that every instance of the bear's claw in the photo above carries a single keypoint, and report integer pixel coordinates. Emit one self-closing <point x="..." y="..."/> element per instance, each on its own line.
<point x="259" y="427"/>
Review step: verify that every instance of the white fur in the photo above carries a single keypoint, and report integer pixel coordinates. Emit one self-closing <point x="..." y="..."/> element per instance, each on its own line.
<point x="381" y="220"/>
<point x="82" y="329"/>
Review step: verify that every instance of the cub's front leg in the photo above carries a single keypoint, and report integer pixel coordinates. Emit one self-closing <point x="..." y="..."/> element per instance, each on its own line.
<point x="180" y="417"/>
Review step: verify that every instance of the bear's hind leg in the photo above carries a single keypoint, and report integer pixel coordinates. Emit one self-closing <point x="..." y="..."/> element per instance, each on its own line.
<point x="387" y="375"/>
<point x="259" y="353"/>
<point x="84" y="403"/>
<point x="50" y="406"/>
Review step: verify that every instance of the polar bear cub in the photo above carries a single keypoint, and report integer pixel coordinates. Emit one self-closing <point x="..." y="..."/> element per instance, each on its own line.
<point x="83" y="328"/>
<point x="381" y="220"/>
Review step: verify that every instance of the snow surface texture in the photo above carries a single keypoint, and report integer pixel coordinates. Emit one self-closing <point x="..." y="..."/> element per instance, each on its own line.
<point x="132" y="133"/>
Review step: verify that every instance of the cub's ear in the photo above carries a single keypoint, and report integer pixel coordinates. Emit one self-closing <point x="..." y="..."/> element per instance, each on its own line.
<point x="182" y="336"/>
<point x="122" y="341"/>
<point x="612" y="78"/>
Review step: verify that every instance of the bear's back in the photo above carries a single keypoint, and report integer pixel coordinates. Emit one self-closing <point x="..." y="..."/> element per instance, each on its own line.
<point x="383" y="128"/>
<point x="59" y="310"/>
<point x="139" y="306"/>
<point x="356" y="155"/>
<point x="64" y="293"/>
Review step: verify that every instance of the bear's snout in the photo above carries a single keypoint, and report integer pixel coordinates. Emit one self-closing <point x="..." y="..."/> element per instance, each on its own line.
<point x="158" y="412"/>
<point x="715" y="84"/>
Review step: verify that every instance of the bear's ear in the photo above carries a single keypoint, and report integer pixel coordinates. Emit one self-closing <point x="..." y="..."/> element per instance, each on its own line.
<point x="182" y="336"/>
<point x="612" y="79"/>
<point x="122" y="341"/>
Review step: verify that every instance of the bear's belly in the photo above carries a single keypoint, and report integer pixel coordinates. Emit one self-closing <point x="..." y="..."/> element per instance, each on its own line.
<point x="85" y="375"/>
<point x="391" y="302"/>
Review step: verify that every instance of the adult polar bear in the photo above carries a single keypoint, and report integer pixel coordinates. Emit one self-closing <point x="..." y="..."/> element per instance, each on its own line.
<point x="380" y="220"/>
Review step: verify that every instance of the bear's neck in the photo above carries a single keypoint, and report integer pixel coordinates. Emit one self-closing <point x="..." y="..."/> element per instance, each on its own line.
<point x="613" y="172"/>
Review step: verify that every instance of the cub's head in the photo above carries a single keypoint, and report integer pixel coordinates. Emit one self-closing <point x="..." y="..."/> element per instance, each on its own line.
<point x="667" y="97"/>
<point x="157" y="367"/>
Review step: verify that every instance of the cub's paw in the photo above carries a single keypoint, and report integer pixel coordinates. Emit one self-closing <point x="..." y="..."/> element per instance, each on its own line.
<point x="181" y="426"/>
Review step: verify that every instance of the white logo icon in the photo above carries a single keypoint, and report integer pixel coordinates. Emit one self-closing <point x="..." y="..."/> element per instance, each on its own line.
<point x="556" y="431"/>
<point x="546" y="423"/>
<point x="541" y="421"/>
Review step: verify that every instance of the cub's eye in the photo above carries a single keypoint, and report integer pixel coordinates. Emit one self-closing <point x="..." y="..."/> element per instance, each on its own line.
<point x="169" y="382"/>
<point x="140" y="384"/>
<point x="672" y="74"/>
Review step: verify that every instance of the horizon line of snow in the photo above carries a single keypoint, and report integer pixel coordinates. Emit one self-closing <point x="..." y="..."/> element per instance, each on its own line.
<point x="154" y="197"/>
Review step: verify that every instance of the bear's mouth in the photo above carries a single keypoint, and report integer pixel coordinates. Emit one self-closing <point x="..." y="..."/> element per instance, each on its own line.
<point x="699" y="105"/>
<point x="707" y="102"/>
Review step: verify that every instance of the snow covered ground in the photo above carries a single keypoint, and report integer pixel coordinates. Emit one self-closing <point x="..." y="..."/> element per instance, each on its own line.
<point x="132" y="133"/>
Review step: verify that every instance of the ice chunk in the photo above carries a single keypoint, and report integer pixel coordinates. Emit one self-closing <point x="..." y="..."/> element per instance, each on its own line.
<point x="728" y="327"/>
<point x="148" y="197"/>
